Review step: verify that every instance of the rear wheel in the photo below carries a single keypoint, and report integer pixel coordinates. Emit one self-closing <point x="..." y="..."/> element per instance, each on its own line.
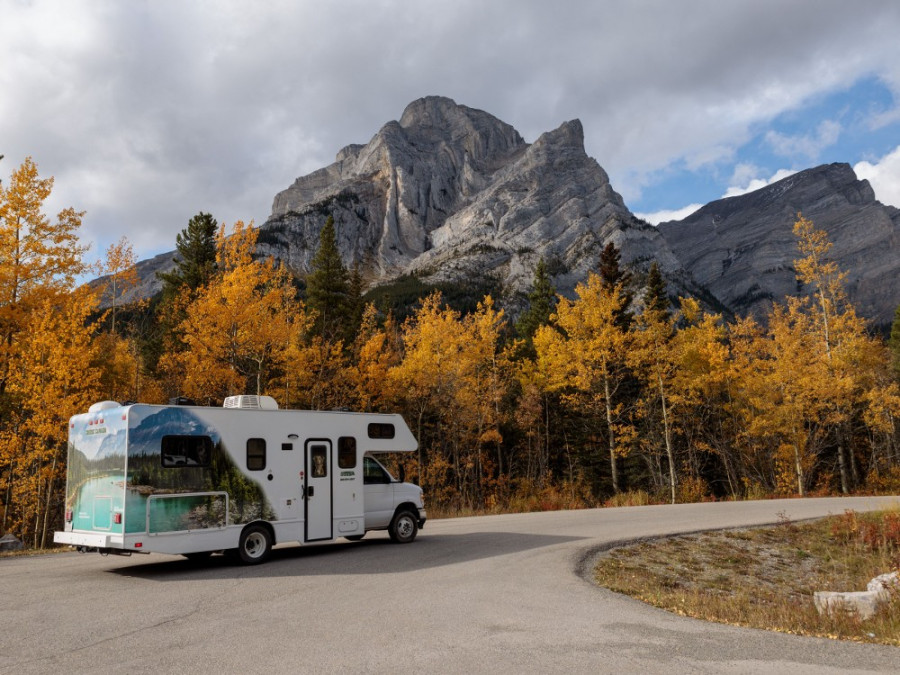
<point x="255" y="546"/>
<point x="404" y="527"/>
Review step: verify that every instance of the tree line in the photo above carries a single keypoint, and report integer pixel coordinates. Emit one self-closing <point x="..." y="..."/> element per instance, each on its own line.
<point x="616" y="395"/>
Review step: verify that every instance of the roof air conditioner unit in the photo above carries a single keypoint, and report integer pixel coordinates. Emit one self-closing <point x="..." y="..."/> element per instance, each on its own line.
<point x="248" y="402"/>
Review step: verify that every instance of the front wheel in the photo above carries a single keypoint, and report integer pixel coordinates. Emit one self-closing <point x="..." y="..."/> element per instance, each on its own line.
<point x="404" y="528"/>
<point x="255" y="546"/>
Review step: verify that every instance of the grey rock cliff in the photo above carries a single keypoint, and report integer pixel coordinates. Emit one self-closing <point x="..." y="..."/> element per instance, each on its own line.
<point x="743" y="248"/>
<point x="449" y="192"/>
<point x="389" y="195"/>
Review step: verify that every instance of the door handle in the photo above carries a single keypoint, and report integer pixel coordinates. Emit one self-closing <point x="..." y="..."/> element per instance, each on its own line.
<point x="310" y="491"/>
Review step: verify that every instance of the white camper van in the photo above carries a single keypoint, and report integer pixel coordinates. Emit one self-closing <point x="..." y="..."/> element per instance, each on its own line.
<point x="191" y="480"/>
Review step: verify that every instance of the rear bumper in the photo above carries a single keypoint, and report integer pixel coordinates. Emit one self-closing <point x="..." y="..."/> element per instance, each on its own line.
<point x="89" y="539"/>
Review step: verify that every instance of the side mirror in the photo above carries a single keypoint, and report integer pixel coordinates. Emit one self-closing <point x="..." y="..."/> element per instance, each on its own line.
<point x="402" y="472"/>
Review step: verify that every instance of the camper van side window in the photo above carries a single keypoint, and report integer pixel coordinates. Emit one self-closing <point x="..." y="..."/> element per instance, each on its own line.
<point x="185" y="451"/>
<point x="256" y="454"/>
<point x="346" y="452"/>
<point x="381" y="430"/>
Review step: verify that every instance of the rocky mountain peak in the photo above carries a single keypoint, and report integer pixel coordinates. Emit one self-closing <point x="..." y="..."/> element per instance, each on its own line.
<point x="743" y="248"/>
<point x="568" y="134"/>
<point x="451" y="193"/>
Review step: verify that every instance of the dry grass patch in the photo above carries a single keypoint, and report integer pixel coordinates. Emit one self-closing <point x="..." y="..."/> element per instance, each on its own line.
<point x="766" y="577"/>
<point x="35" y="551"/>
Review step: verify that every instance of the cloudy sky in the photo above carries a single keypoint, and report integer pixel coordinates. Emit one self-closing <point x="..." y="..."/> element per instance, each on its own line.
<point x="148" y="112"/>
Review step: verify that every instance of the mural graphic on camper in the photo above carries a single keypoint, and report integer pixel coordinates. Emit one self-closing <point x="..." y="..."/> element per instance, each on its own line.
<point x="150" y="483"/>
<point x="95" y="495"/>
<point x="173" y="451"/>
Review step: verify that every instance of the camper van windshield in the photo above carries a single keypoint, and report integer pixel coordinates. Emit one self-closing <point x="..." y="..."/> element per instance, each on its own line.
<point x="374" y="473"/>
<point x="183" y="451"/>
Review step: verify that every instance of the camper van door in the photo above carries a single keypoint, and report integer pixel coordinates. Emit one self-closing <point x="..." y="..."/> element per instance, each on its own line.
<point x="318" y="490"/>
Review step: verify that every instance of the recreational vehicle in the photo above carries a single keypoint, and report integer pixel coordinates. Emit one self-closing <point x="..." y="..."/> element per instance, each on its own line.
<point x="192" y="480"/>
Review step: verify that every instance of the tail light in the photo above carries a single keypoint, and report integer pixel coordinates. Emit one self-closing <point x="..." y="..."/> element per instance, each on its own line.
<point x="117" y="518"/>
<point x="69" y="515"/>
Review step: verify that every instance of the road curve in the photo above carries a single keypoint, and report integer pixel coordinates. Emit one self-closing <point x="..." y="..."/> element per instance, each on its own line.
<point x="501" y="594"/>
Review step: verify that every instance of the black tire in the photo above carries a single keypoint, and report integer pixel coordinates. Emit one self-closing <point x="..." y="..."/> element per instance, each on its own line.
<point x="404" y="527"/>
<point x="197" y="557"/>
<point x="355" y="537"/>
<point x="256" y="545"/>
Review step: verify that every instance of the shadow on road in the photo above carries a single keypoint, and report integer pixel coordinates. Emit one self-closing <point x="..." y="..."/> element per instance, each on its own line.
<point x="374" y="556"/>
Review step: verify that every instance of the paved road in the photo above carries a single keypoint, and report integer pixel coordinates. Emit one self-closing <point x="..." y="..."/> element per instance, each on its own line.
<point x="499" y="594"/>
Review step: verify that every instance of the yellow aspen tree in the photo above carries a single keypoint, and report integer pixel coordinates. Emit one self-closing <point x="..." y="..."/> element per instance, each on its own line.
<point x="588" y="352"/>
<point x="313" y="367"/>
<point x="538" y="379"/>
<point x="882" y="415"/>
<point x="791" y="399"/>
<point x="121" y="276"/>
<point x="653" y="356"/>
<point x="483" y="382"/>
<point x="841" y="336"/>
<point x="701" y="384"/>
<point x="37" y="256"/>
<point x="428" y="379"/>
<point x="374" y="355"/>
<point x="122" y="373"/>
<point x="40" y="260"/>
<point x="752" y="455"/>
<point x="56" y="375"/>
<point x="237" y="330"/>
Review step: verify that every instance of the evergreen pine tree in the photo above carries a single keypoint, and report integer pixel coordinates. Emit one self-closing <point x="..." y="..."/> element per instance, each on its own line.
<point x="355" y="305"/>
<point x="611" y="273"/>
<point x="195" y="266"/>
<point x="894" y="341"/>
<point x="541" y="303"/>
<point x="656" y="298"/>
<point x="327" y="286"/>
<point x="196" y="261"/>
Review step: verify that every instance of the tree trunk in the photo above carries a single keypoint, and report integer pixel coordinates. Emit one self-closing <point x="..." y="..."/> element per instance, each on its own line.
<point x="611" y="437"/>
<point x="49" y="498"/>
<point x="668" y="436"/>
<point x="798" y="467"/>
<point x="842" y="464"/>
<point x="9" y="482"/>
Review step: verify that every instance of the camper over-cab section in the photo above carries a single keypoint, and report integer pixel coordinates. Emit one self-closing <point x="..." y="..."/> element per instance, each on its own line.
<point x="192" y="480"/>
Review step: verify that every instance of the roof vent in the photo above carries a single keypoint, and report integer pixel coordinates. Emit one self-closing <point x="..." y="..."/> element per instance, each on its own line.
<point x="103" y="405"/>
<point x="247" y="402"/>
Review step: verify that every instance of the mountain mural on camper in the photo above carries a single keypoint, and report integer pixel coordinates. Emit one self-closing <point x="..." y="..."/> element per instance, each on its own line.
<point x="449" y="193"/>
<point x="216" y="472"/>
<point x="146" y="432"/>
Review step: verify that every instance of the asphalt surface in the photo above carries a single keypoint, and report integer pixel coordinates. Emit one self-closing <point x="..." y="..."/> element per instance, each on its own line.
<point x="499" y="594"/>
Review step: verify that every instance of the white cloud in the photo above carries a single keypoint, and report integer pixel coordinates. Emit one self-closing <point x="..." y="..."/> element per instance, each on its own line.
<point x="752" y="184"/>
<point x="744" y="173"/>
<point x="745" y="177"/>
<point x="657" y="217"/>
<point x="884" y="177"/>
<point x="807" y="146"/>
<point x="147" y="113"/>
